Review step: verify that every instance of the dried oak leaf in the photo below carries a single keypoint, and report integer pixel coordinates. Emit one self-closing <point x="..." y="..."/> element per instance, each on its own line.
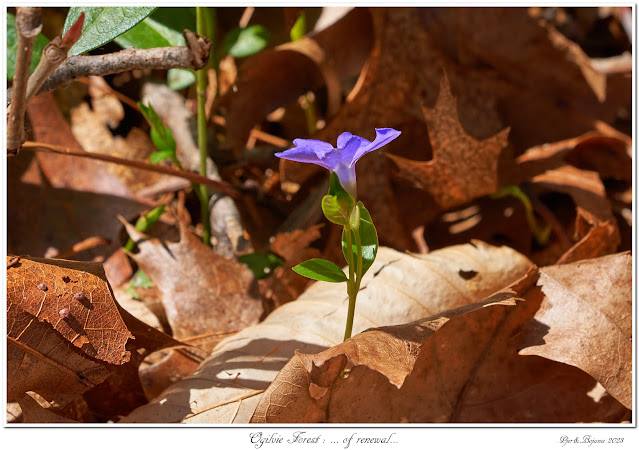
<point x="456" y="366"/>
<point x="33" y="412"/>
<point x="202" y="292"/>
<point x="462" y="168"/>
<point x="398" y="288"/>
<point x="62" y="326"/>
<point x="585" y="320"/>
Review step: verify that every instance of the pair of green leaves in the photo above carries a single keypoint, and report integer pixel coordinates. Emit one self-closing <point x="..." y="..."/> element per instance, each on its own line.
<point x="339" y="207"/>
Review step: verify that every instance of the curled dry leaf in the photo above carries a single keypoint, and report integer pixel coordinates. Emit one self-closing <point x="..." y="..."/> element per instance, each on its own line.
<point x="51" y="354"/>
<point x="595" y="230"/>
<point x="457" y="366"/>
<point x="398" y="288"/>
<point x="585" y="320"/>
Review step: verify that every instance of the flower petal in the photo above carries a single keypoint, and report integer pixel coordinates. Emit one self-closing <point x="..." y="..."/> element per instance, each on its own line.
<point x="343" y="139"/>
<point x="383" y="137"/>
<point x="308" y="151"/>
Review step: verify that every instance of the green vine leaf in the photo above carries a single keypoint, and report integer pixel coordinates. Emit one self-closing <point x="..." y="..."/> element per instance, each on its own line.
<point x="103" y="24"/>
<point x="368" y="235"/>
<point x="321" y="270"/>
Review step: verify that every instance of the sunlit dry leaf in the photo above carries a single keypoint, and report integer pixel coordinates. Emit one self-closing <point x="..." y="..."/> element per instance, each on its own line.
<point x="457" y="366"/>
<point x="398" y="288"/>
<point x="62" y="324"/>
<point x="33" y="412"/>
<point x="202" y="292"/>
<point x="585" y="320"/>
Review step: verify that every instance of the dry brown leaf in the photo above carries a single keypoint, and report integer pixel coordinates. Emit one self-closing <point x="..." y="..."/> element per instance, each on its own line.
<point x="202" y="292"/>
<point x="68" y="335"/>
<point x="105" y="103"/>
<point x="398" y="288"/>
<point x="585" y="320"/>
<point x="294" y="247"/>
<point x="462" y="168"/>
<point x="310" y="63"/>
<point x="457" y="366"/>
<point x="33" y="412"/>
<point x="492" y="78"/>
<point x="73" y="198"/>
<point x="62" y="324"/>
<point x="593" y="211"/>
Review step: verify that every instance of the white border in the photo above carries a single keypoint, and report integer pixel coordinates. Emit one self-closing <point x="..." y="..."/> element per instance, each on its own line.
<point x="160" y="436"/>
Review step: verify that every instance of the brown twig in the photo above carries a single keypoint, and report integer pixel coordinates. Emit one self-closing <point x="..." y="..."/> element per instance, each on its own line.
<point x="194" y="56"/>
<point x="28" y="25"/>
<point x="54" y="54"/>
<point x="220" y="186"/>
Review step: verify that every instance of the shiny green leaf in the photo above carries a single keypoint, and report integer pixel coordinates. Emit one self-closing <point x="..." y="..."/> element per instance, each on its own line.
<point x="103" y="24"/>
<point x="368" y="235"/>
<point x="321" y="270"/>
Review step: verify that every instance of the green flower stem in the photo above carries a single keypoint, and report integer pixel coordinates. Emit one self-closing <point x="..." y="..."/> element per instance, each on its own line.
<point x="201" y="134"/>
<point x="352" y="292"/>
<point x="354" y="278"/>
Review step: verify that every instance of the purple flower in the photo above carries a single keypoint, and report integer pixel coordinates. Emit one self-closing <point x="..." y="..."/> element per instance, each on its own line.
<point x="341" y="160"/>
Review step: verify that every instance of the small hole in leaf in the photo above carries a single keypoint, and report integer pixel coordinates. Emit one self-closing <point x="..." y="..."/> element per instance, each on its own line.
<point x="467" y="274"/>
<point x="66" y="279"/>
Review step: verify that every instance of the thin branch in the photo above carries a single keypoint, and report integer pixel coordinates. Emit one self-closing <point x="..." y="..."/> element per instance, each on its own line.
<point x="28" y="26"/>
<point x="193" y="56"/>
<point x="220" y="186"/>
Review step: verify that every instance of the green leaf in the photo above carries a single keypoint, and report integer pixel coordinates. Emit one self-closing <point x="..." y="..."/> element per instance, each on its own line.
<point x="156" y="157"/>
<point x="140" y="279"/>
<point x="103" y="24"/>
<point x="160" y="134"/>
<point x="243" y="42"/>
<point x="321" y="270"/>
<point x="261" y="264"/>
<point x="164" y="143"/>
<point x="177" y="19"/>
<point x="368" y="235"/>
<point x="12" y="47"/>
<point x="180" y="78"/>
<point x="150" y="34"/>
<point x="299" y="28"/>
<point x="338" y="204"/>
